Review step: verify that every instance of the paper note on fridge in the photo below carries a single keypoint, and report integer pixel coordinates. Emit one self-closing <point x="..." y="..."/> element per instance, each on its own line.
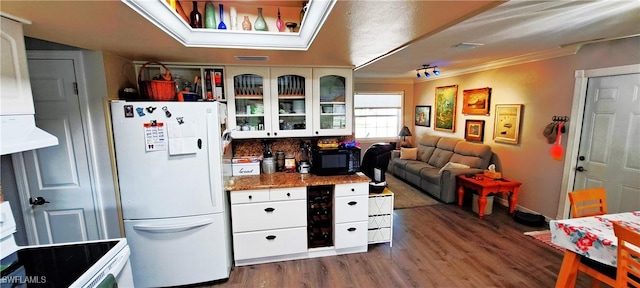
<point x="155" y="137"/>
<point x="182" y="138"/>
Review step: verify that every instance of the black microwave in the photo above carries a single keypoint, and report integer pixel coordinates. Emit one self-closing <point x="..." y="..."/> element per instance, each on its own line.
<point x="335" y="161"/>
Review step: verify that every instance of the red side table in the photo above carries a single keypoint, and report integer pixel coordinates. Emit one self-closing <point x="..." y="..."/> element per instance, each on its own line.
<point x="485" y="186"/>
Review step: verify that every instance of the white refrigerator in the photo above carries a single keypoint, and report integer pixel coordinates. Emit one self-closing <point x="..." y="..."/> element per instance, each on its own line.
<point x="169" y="163"/>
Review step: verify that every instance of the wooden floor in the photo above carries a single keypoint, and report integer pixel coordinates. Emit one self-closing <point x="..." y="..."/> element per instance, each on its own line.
<point x="433" y="246"/>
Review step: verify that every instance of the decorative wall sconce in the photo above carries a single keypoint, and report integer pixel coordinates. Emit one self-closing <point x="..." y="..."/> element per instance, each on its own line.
<point x="426" y="73"/>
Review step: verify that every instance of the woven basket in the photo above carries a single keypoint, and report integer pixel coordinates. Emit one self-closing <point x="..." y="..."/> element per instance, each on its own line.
<point x="158" y="90"/>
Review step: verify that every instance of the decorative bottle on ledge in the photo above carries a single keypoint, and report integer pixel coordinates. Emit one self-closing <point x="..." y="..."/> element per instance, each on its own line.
<point x="246" y="24"/>
<point x="260" y="24"/>
<point x="196" y="17"/>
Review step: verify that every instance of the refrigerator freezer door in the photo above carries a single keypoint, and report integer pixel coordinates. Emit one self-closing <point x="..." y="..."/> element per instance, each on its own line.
<point x="168" y="156"/>
<point x="178" y="251"/>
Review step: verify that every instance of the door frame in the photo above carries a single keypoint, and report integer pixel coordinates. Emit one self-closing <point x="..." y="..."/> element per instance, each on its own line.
<point x="18" y="158"/>
<point x="575" y="130"/>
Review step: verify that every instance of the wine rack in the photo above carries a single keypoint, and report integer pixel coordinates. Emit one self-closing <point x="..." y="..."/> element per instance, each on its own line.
<point x="320" y="216"/>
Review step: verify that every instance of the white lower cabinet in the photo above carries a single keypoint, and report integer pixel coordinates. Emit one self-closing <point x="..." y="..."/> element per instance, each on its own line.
<point x="270" y="225"/>
<point x="351" y="214"/>
<point x="352" y="234"/>
<point x="270" y="243"/>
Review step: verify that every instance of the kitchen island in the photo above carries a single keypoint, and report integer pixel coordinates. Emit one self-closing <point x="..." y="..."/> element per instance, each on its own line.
<point x="286" y="216"/>
<point x="286" y="180"/>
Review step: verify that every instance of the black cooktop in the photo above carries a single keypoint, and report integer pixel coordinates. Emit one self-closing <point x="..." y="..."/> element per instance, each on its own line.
<point x="52" y="266"/>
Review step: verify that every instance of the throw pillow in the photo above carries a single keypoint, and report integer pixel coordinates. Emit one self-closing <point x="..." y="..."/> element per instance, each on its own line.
<point x="451" y="165"/>
<point x="408" y="153"/>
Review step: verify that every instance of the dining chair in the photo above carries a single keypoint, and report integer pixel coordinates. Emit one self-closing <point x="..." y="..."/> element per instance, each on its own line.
<point x="628" y="274"/>
<point x="588" y="202"/>
<point x="592" y="202"/>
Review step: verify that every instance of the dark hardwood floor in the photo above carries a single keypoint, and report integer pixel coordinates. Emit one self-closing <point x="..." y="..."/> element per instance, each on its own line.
<point x="433" y="246"/>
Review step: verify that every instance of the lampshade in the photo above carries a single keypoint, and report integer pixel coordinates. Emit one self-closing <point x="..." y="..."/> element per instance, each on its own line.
<point x="404" y="131"/>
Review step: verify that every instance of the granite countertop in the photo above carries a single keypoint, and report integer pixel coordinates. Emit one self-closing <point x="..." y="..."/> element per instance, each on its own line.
<point x="284" y="180"/>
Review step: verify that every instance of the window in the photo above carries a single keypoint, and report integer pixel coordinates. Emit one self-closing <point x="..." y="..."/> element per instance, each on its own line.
<point x="377" y="115"/>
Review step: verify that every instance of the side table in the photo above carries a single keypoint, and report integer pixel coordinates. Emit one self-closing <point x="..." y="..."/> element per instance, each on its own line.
<point x="381" y="217"/>
<point x="485" y="186"/>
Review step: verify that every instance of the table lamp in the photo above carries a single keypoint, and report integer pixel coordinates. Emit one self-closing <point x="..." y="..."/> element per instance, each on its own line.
<point x="404" y="132"/>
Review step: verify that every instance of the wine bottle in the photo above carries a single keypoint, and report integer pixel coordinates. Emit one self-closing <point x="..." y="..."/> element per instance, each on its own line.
<point x="195" y="17"/>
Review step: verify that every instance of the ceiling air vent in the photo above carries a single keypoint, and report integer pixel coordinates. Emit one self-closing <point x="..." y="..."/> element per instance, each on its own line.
<point x="467" y="45"/>
<point x="252" y="58"/>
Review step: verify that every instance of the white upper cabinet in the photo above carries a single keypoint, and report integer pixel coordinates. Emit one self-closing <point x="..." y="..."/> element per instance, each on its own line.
<point x="15" y="88"/>
<point x="249" y="102"/>
<point x="291" y="102"/>
<point x="333" y="101"/>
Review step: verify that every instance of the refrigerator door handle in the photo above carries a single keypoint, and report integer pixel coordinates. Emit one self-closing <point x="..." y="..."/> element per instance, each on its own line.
<point x="173" y="228"/>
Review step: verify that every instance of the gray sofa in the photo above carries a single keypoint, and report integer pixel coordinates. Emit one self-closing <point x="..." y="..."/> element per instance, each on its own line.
<point x="433" y="153"/>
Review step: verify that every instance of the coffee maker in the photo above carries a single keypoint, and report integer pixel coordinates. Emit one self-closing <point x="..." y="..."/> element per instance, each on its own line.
<point x="305" y="157"/>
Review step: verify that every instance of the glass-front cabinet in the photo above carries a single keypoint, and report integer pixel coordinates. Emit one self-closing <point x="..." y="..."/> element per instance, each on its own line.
<point x="291" y="102"/>
<point x="248" y="102"/>
<point x="333" y="101"/>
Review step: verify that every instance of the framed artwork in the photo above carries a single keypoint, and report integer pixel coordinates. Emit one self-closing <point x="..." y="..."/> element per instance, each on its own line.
<point x="445" y="114"/>
<point x="423" y="116"/>
<point x="474" y="130"/>
<point x="507" y="123"/>
<point x="476" y="101"/>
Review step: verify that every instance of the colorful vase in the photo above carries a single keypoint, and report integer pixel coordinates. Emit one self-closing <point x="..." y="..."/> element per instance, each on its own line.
<point x="260" y="24"/>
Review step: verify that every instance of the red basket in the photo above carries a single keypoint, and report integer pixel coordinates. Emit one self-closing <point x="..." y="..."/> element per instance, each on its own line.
<point x="158" y="90"/>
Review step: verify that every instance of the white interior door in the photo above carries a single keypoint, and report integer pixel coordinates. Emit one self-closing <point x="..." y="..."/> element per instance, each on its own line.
<point x="59" y="174"/>
<point x="609" y="153"/>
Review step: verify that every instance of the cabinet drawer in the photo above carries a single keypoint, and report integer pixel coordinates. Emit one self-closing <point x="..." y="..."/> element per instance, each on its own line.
<point x="380" y="235"/>
<point x="349" y="209"/>
<point x="380" y="205"/>
<point x="268" y="215"/>
<point x="351" y="234"/>
<point x="249" y="245"/>
<point x="379" y="221"/>
<point x="296" y="193"/>
<point x="249" y="196"/>
<point x="351" y="189"/>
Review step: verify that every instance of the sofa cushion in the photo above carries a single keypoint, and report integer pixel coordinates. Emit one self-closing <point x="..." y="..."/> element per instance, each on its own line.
<point x="426" y="146"/>
<point x="415" y="166"/>
<point x="473" y="154"/>
<point x="443" y="152"/>
<point x="430" y="174"/>
<point x="408" y="153"/>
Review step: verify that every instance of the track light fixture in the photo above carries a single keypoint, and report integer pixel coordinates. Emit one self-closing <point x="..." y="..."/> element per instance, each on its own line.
<point x="425" y="71"/>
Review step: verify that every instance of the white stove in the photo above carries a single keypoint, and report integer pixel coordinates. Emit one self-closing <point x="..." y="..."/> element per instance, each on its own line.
<point x="77" y="264"/>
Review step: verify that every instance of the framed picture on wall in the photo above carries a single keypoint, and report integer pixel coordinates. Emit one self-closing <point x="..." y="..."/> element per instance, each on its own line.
<point x="445" y="113"/>
<point x="474" y="130"/>
<point x="423" y="116"/>
<point x="476" y="101"/>
<point x="507" y="123"/>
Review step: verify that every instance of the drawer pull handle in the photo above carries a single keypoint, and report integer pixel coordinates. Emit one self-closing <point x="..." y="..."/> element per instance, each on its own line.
<point x="351" y="229"/>
<point x="352" y="203"/>
<point x="250" y="197"/>
<point x="271" y="237"/>
<point x="288" y="194"/>
<point x="269" y="210"/>
<point x="353" y="190"/>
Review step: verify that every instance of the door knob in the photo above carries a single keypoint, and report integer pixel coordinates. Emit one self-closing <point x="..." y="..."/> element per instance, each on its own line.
<point x="581" y="169"/>
<point x="581" y="158"/>
<point x="37" y="201"/>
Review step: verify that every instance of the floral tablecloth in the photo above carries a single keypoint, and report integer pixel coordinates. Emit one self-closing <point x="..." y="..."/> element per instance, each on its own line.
<point x="593" y="237"/>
